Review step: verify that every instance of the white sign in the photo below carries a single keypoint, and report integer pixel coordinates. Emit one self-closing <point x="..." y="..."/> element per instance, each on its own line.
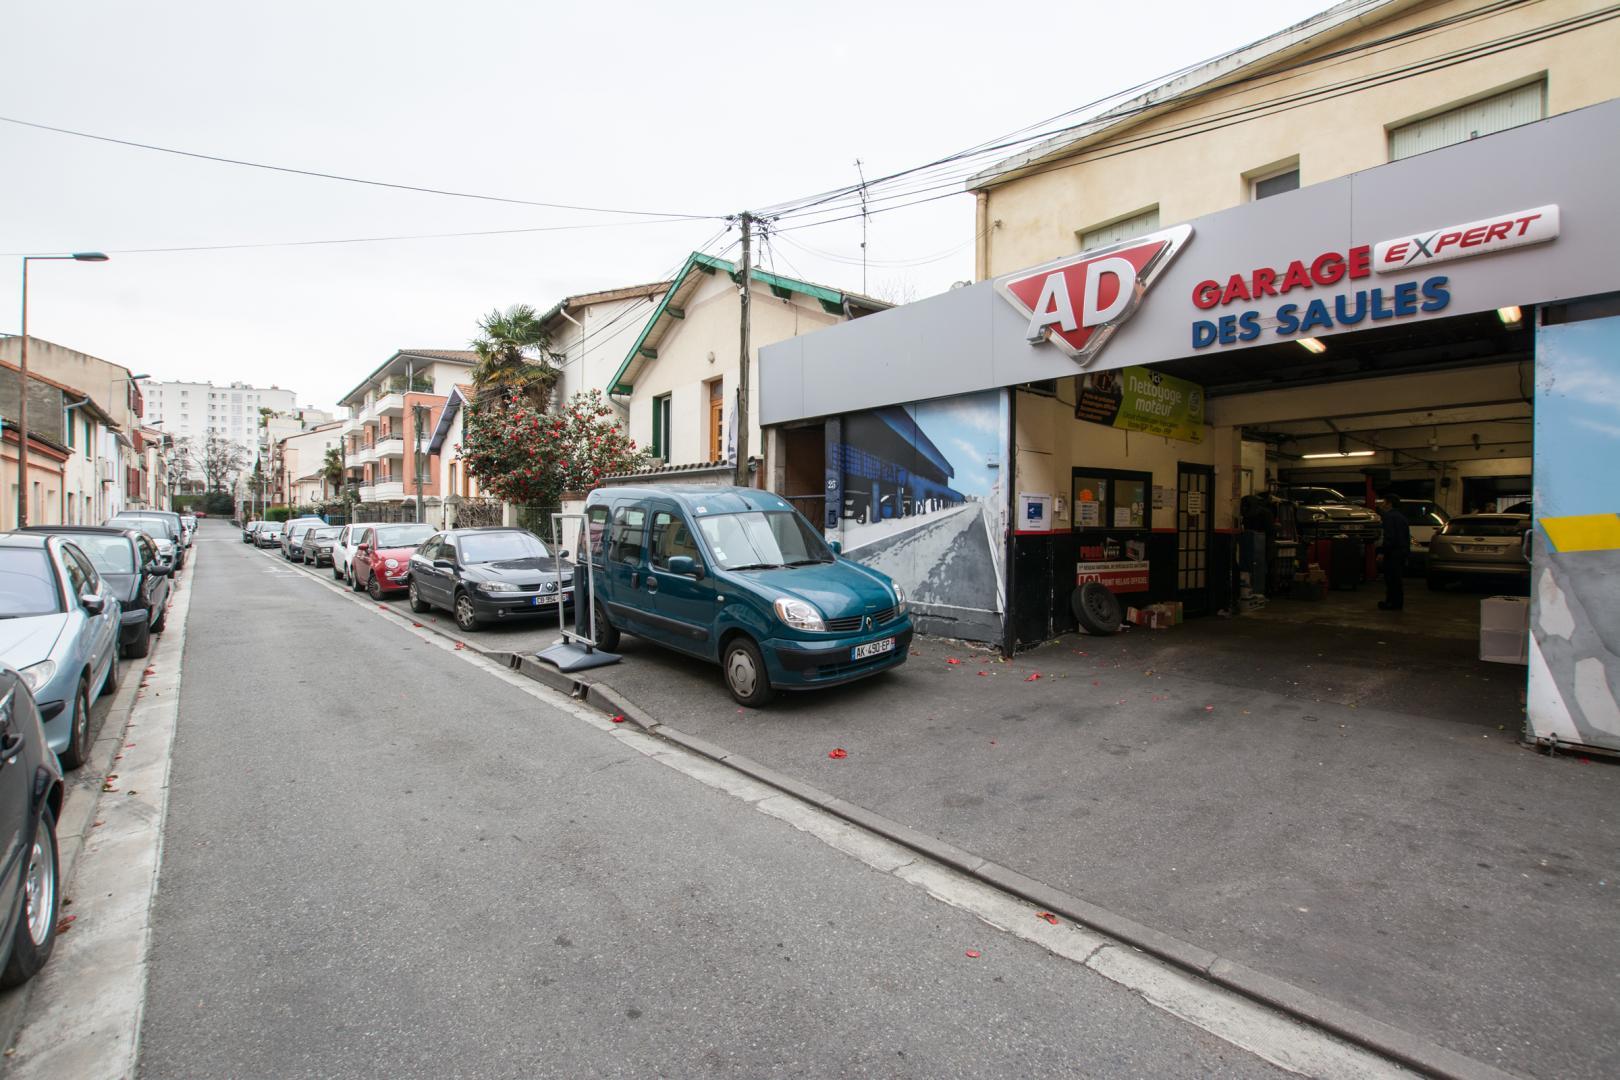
<point x="1035" y="513"/>
<point x="1482" y="237"/>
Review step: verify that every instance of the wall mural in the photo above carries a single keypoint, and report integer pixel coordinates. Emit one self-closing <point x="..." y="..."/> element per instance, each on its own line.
<point x="921" y="498"/>
<point x="1575" y="579"/>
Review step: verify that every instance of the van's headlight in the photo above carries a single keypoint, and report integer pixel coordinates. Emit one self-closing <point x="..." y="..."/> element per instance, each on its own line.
<point x="799" y="615"/>
<point x="900" y="605"/>
<point x="37" y="675"/>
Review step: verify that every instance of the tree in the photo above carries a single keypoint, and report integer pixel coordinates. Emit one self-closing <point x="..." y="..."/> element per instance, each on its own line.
<point x="525" y="455"/>
<point x="511" y="350"/>
<point x="179" y="464"/>
<point x="221" y="461"/>
<point x="332" y="468"/>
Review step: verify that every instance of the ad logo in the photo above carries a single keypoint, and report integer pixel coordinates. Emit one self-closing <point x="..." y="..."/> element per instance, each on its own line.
<point x="1077" y="303"/>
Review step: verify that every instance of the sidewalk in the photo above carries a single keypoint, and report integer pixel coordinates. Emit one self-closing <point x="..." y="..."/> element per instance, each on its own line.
<point x="1342" y="826"/>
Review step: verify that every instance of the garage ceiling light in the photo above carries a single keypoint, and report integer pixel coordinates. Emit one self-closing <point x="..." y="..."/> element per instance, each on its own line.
<point x="1342" y="453"/>
<point x="1510" y="316"/>
<point x="1311" y="345"/>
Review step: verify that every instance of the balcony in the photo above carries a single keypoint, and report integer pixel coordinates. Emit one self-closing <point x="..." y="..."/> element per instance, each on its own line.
<point x="363" y="456"/>
<point x="350" y="427"/>
<point x="390" y="445"/>
<point x="386" y="490"/>
<point x="367" y="493"/>
<point x="391" y="404"/>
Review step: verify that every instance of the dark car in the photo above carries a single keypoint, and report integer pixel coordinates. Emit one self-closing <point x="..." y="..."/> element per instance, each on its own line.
<point x="128" y="563"/>
<point x="487" y="575"/>
<point x="319" y="543"/>
<point x="292" y="538"/>
<point x="249" y="529"/>
<point x="161" y="525"/>
<point x="30" y="801"/>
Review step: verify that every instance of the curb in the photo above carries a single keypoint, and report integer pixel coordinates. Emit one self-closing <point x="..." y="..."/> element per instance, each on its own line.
<point x="1396" y="1044"/>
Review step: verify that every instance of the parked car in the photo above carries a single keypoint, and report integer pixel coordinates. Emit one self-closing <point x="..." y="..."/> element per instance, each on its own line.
<point x="268" y="534"/>
<point x="738" y="577"/>
<point x="188" y="526"/>
<point x="1323" y="512"/>
<point x="348" y="542"/>
<point x="249" y="529"/>
<point x="487" y="575"/>
<point x="319" y="543"/>
<point x="127" y="560"/>
<point x="1481" y="547"/>
<point x="382" y="557"/>
<point x="30" y="802"/>
<point x="161" y="525"/>
<point x="1425" y="519"/>
<point x="59" y="629"/>
<point x="292" y="537"/>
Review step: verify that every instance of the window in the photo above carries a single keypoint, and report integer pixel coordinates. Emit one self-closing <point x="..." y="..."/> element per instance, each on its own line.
<point x="763" y="539"/>
<point x="717" y="418"/>
<point x="1111" y="499"/>
<point x="627" y="541"/>
<point x="660" y="439"/>
<point x="70" y="426"/>
<point x="671" y="537"/>
<point x="81" y="578"/>
<point x="89" y="437"/>
<point x="596" y="520"/>
<point x="1269" y="182"/>
<point x="1498" y="112"/>
<point x="1126" y="228"/>
<point x="27" y="586"/>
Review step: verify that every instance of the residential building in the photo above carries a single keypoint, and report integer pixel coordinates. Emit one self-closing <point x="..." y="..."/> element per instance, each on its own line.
<point x="591" y="332"/>
<point x="679" y="377"/>
<point x="192" y="411"/>
<point x="392" y="415"/>
<point x="463" y="500"/>
<point x="298" y="466"/>
<point x="78" y="447"/>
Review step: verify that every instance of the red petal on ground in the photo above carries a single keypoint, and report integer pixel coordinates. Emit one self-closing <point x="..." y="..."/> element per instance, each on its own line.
<point x="416" y="624"/>
<point x="837" y="753"/>
<point x="618" y="719"/>
<point x="460" y="646"/>
<point x="1032" y="676"/>
<point x="973" y="954"/>
<point x="1209" y="708"/>
<point x="953" y="660"/>
<point x="984" y="673"/>
<point x="1048" y="916"/>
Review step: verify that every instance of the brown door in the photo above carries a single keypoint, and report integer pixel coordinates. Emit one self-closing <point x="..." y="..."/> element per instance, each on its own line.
<point x="717" y="418"/>
<point x="1195" y="489"/>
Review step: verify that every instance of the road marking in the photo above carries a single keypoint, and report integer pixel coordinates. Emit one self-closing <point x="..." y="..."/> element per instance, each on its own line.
<point x="1269" y="1035"/>
<point x="84" y="1014"/>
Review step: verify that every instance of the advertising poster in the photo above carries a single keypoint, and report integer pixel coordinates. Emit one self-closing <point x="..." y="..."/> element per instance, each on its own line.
<point x="1142" y="399"/>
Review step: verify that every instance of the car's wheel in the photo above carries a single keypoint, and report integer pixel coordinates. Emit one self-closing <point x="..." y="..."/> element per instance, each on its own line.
<point x="418" y="605"/>
<point x="337" y="570"/>
<point x="109" y="685"/>
<point x="374" y="588"/>
<point x="744" y="667"/>
<point x="607" y="635"/>
<point x="77" y="751"/>
<point x="141" y="645"/>
<point x="35" y="936"/>
<point x="354" y="578"/>
<point x="162" y="620"/>
<point x="466" y="616"/>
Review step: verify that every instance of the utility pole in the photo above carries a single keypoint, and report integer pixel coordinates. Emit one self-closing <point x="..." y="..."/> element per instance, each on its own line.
<point x="862" y="174"/>
<point x="746" y="220"/>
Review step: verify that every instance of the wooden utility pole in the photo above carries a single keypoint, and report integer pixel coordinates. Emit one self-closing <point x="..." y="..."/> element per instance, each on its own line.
<point x="741" y="478"/>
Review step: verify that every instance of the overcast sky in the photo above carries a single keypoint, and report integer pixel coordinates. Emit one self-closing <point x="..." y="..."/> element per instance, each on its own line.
<point x="703" y="108"/>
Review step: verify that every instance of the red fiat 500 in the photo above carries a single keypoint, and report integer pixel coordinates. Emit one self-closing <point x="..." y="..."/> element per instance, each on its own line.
<point x="382" y="559"/>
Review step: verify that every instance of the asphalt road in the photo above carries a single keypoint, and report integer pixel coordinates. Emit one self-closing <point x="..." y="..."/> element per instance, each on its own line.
<point x="381" y="861"/>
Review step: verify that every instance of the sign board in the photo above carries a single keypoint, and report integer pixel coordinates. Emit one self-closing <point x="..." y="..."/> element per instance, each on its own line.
<point x="1034" y="512"/>
<point x="1120" y="576"/>
<point x="1143" y="399"/>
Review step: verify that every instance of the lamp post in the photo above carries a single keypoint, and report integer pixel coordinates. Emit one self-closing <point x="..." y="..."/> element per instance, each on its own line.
<point x="22" y="379"/>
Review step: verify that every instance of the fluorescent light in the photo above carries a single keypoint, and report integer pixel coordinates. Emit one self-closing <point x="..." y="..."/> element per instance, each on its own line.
<point x="1510" y="316"/>
<point x="1312" y="345"/>
<point x="1342" y="453"/>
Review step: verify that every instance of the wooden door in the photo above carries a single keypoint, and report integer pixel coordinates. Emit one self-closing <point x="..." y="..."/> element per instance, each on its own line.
<point x="717" y="420"/>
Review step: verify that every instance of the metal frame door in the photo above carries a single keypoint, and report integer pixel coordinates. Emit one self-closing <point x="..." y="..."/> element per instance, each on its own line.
<point x="1195" y="490"/>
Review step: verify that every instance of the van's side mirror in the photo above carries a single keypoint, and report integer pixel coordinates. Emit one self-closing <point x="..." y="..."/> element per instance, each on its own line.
<point x="684" y="564"/>
<point x="837" y="546"/>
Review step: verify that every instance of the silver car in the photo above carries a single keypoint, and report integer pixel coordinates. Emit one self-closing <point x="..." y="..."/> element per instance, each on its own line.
<point x="1479" y="547"/>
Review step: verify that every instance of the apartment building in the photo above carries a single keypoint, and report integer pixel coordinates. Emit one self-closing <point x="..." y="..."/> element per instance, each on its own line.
<point x="192" y="411"/>
<point x="392" y="415"/>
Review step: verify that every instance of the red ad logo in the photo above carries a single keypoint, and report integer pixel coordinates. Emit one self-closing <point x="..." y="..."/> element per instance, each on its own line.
<point x="1077" y="303"/>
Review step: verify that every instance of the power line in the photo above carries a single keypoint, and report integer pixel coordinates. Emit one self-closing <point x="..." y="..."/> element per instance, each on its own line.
<point x="347" y="179"/>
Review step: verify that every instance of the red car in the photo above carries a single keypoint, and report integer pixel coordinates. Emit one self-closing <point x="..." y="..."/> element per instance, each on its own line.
<point x="382" y="558"/>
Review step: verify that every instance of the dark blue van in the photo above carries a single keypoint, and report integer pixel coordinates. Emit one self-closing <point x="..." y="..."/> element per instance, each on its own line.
<point x="738" y="577"/>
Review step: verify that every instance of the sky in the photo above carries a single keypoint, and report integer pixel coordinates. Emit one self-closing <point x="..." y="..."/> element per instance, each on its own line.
<point x="691" y="109"/>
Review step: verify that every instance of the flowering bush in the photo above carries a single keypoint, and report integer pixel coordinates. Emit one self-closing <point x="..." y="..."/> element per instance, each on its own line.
<point x="524" y="455"/>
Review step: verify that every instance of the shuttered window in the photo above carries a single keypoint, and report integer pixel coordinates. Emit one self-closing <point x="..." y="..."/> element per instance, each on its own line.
<point x="1521" y="105"/>
<point x="1126" y="228"/>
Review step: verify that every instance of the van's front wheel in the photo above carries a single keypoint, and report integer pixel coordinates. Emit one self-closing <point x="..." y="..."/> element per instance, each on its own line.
<point x="744" y="667"/>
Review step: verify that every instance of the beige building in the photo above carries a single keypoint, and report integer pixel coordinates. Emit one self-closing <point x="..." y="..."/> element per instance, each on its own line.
<point x="392" y="414"/>
<point x="679" y="377"/>
<point x="591" y="332"/>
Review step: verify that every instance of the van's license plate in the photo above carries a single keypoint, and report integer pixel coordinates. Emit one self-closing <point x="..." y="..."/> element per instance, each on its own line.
<point x="872" y="648"/>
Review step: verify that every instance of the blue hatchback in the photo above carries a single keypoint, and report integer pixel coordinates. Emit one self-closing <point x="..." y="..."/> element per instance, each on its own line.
<point x="738" y="577"/>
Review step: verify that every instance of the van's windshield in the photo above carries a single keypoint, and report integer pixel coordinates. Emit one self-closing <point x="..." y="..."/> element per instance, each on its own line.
<point x="763" y="539"/>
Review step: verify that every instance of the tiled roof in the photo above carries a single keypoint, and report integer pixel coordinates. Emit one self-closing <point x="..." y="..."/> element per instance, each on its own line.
<point x="675" y="470"/>
<point x="455" y="355"/>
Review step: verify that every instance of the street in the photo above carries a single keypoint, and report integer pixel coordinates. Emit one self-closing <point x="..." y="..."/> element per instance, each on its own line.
<point x="381" y="861"/>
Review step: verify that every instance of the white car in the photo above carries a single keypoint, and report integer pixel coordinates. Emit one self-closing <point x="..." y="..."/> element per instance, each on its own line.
<point x="343" y="551"/>
<point x="1425" y="519"/>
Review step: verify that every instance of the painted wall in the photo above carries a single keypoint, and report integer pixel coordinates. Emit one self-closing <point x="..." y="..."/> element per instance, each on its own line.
<point x="1575" y="574"/>
<point x="1039" y="217"/>
<point x="592" y="351"/>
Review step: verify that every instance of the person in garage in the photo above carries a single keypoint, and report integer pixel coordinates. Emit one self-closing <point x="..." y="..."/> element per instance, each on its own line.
<point x="1397" y="542"/>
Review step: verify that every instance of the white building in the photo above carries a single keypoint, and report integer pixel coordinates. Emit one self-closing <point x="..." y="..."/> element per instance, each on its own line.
<point x="590" y="333"/>
<point x="192" y="411"/>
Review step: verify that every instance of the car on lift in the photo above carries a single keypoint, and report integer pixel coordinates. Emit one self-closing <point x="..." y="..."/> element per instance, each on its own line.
<point x="30" y="801"/>
<point x="1424" y="519"/>
<point x="1322" y="513"/>
<point x="1481" y="548"/>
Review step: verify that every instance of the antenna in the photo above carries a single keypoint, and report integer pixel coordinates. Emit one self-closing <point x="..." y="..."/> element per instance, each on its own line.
<point x="861" y="173"/>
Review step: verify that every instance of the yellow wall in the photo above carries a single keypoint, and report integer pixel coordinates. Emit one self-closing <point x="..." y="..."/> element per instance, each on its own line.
<point x="1037" y="217"/>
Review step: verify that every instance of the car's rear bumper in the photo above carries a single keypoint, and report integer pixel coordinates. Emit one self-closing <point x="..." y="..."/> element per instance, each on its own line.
<point x="1455" y="567"/>
<point x="803" y="664"/>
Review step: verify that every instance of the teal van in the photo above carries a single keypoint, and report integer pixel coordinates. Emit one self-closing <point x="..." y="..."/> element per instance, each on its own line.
<point x="738" y="577"/>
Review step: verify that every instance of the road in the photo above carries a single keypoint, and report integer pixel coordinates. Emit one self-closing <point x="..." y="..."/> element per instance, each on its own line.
<point x="382" y="860"/>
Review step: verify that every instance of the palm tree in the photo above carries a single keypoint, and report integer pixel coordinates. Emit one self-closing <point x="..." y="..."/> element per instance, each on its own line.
<point x="332" y="468"/>
<point x="509" y="350"/>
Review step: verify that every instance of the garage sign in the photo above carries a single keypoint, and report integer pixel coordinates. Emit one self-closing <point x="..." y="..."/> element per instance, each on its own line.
<point x="1462" y="241"/>
<point x="1077" y="302"/>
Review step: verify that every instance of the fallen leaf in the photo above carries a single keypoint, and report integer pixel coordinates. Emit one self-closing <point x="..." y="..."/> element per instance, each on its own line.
<point x="459" y="646"/>
<point x="973" y="954"/>
<point x="1032" y="676"/>
<point x="984" y="673"/>
<point x="838" y="753"/>
<point x="992" y="742"/>
<point x="64" y="922"/>
<point x="618" y="719"/>
<point x="131" y="791"/>
<point x="150" y="671"/>
<point x="417" y="624"/>
<point x="129" y="746"/>
<point x="953" y="660"/>
<point x="97" y="824"/>
<point x="1048" y="916"/>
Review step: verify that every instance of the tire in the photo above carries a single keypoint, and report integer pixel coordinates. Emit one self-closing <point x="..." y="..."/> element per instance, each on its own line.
<point x="374" y="588"/>
<point x="354" y="579"/>
<point x="337" y="571"/>
<point x="466" y="617"/>
<point x="607" y="635"/>
<point x="744" y="668"/>
<point x="77" y="750"/>
<point x="141" y="645"/>
<point x="109" y="685"/>
<point x="418" y="605"/>
<point x="1095" y="608"/>
<point x="35" y="936"/>
<point x="162" y="620"/>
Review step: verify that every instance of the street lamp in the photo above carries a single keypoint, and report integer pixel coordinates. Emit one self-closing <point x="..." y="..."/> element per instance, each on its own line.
<point x="22" y="380"/>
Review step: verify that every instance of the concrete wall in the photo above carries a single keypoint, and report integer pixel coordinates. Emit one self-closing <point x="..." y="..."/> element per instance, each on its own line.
<point x="592" y="351"/>
<point x="103" y="380"/>
<point x="1039" y="217"/>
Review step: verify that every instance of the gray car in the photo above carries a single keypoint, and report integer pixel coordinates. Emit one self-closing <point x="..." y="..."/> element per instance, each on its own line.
<point x="30" y="801"/>
<point x="59" y="629"/>
<point x="162" y="526"/>
<point x="1481" y="547"/>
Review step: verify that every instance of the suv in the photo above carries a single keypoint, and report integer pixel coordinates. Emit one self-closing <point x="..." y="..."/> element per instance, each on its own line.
<point x="1323" y="513"/>
<point x="738" y="577"/>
